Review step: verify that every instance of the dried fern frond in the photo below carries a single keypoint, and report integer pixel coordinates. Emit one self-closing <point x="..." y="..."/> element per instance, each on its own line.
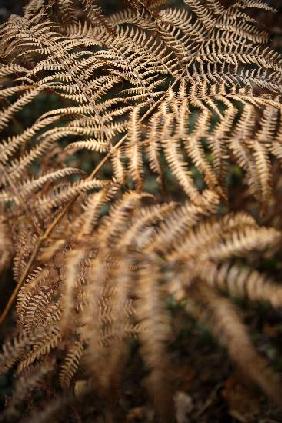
<point x="147" y="93"/>
<point x="224" y="321"/>
<point x="6" y="246"/>
<point x="93" y="304"/>
<point x="152" y="64"/>
<point x="24" y="387"/>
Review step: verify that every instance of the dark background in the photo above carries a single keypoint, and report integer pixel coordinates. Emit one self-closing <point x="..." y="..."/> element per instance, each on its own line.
<point x="9" y="6"/>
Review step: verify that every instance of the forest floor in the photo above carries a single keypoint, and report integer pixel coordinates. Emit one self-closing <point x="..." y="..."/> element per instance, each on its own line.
<point x="209" y="389"/>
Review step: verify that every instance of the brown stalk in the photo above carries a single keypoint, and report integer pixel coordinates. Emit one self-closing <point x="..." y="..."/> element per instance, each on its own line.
<point x="63" y="212"/>
<point x="48" y="232"/>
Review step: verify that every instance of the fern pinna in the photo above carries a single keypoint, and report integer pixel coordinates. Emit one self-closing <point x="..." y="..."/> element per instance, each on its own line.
<point x="116" y="193"/>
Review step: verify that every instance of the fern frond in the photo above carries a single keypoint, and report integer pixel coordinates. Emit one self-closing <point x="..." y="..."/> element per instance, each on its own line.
<point x="243" y="282"/>
<point x="154" y="333"/>
<point x="71" y="363"/>
<point x="24" y="386"/>
<point x="150" y="98"/>
<point x="233" y="334"/>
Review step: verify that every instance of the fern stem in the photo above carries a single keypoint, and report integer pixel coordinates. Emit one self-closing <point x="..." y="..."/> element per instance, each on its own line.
<point x="48" y="232"/>
<point x="61" y="214"/>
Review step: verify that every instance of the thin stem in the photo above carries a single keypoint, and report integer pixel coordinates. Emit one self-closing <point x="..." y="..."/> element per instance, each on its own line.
<point x="48" y="232"/>
<point x="63" y="212"/>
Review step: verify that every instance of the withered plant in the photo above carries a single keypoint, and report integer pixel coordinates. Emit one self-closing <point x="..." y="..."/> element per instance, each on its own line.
<point x="116" y="193"/>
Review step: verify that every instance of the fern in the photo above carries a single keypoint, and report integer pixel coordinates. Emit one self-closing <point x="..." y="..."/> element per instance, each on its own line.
<point x="177" y="96"/>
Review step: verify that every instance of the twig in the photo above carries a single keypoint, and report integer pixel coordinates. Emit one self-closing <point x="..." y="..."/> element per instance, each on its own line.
<point x="210" y="400"/>
<point x="48" y="232"/>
